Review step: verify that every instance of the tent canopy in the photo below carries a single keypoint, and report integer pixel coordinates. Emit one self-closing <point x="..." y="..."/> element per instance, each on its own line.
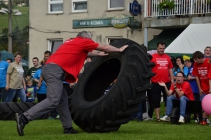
<point x="5" y="55"/>
<point x="166" y="36"/>
<point x="196" y="37"/>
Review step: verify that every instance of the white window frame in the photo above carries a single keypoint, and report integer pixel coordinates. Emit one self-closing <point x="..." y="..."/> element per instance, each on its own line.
<point x="108" y="38"/>
<point x="116" y="8"/>
<point x="55" y="2"/>
<point x="50" y="43"/>
<point x="73" y="5"/>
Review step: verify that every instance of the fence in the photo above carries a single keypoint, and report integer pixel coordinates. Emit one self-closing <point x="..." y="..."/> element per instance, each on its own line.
<point x="159" y="8"/>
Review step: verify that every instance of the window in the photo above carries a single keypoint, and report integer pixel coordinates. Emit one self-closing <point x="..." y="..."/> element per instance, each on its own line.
<point x="79" y="5"/>
<point x="116" y="4"/>
<point x="55" y="6"/>
<point x="54" y="44"/>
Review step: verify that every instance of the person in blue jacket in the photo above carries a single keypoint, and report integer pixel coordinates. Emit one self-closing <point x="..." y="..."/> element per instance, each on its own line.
<point x="3" y="73"/>
<point x="41" y="89"/>
<point x="180" y="66"/>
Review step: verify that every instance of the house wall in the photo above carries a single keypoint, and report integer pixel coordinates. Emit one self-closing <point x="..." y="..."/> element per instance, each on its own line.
<point x="43" y="26"/>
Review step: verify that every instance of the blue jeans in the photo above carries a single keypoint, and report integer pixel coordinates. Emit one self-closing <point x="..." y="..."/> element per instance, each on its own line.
<point x="139" y="114"/>
<point x="3" y="94"/>
<point x="183" y="102"/>
<point x="11" y="93"/>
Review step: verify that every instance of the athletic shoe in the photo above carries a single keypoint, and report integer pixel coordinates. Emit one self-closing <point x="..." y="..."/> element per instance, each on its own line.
<point x="203" y="122"/>
<point x="181" y="119"/>
<point x="148" y="119"/>
<point x="208" y="121"/>
<point x="21" y="121"/>
<point x="57" y="117"/>
<point x="165" y="118"/>
<point x="70" y="131"/>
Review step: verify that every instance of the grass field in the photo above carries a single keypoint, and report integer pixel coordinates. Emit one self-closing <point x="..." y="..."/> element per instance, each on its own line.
<point x="134" y="130"/>
<point x="20" y="21"/>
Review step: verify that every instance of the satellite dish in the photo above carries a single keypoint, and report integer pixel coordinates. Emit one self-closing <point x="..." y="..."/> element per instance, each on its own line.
<point x="18" y="14"/>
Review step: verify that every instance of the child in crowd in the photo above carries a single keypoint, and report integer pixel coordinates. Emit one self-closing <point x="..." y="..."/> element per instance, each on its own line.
<point x="30" y="91"/>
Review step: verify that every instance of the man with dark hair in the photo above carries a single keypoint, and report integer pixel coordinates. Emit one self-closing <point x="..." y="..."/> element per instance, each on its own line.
<point x="9" y="60"/>
<point x="163" y="70"/>
<point x="201" y="70"/>
<point x="55" y="71"/>
<point x="3" y="71"/>
<point x="180" y="90"/>
<point x="33" y="69"/>
<point x="47" y="54"/>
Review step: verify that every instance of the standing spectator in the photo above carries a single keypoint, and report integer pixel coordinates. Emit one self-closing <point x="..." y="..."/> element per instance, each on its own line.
<point x="15" y="80"/>
<point x="181" y="90"/>
<point x="32" y="70"/>
<point x="192" y="81"/>
<point x="207" y="52"/>
<point x="55" y="71"/>
<point x="3" y="73"/>
<point x="41" y="89"/>
<point x="180" y="67"/>
<point x="9" y="60"/>
<point x="47" y="54"/>
<point x="201" y="69"/>
<point x="15" y="98"/>
<point x="30" y="91"/>
<point x="163" y="70"/>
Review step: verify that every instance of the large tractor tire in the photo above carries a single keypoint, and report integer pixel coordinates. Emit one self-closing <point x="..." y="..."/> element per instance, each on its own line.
<point x="95" y="110"/>
<point x="8" y="110"/>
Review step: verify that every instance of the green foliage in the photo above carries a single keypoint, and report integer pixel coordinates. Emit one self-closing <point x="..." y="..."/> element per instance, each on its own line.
<point x="166" y="4"/>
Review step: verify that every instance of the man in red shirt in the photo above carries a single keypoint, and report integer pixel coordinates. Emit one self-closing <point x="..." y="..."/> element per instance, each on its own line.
<point x="56" y="70"/>
<point x="163" y="70"/>
<point x="181" y="90"/>
<point x="201" y="70"/>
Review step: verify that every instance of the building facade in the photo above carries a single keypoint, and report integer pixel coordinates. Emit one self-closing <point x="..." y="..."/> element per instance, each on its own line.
<point x="51" y="22"/>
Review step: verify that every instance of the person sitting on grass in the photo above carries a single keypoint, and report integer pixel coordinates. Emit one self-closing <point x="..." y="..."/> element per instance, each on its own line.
<point x="180" y="90"/>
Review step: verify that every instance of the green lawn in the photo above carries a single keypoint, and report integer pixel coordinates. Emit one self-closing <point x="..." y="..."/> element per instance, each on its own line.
<point x="22" y="21"/>
<point x="146" y="130"/>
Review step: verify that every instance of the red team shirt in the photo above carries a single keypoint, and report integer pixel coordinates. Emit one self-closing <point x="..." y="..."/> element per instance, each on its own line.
<point x="161" y="68"/>
<point x="71" y="55"/>
<point x="202" y="70"/>
<point x="186" y="88"/>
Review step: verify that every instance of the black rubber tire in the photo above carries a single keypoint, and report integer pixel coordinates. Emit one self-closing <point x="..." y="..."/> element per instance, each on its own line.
<point x="8" y="110"/>
<point x="94" y="111"/>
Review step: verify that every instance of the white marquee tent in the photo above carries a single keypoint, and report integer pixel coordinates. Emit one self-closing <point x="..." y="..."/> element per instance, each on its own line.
<point x="194" y="38"/>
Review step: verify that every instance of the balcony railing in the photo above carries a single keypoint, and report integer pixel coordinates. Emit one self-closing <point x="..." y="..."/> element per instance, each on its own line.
<point x="181" y="8"/>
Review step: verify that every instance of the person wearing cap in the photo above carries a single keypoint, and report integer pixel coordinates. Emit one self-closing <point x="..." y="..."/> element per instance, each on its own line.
<point x="56" y="70"/>
<point x="3" y="73"/>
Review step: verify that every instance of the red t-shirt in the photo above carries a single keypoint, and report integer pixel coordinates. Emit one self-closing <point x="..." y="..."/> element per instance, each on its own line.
<point x="71" y="55"/>
<point x="184" y="87"/>
<point x="201" y="70"/>
<point x="161" y="68"/>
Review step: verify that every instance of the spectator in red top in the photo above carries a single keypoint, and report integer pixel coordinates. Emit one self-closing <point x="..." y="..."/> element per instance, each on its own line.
<point x="56" y="70"/>
<point x="201" y="68"/>
<point x="181" y="90"/>
<point x="163" y="70"/>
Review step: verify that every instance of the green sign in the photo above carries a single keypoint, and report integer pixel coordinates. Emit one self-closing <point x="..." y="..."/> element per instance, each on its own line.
<point x="90" y="23"/>
<point x="119" y="21"/>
